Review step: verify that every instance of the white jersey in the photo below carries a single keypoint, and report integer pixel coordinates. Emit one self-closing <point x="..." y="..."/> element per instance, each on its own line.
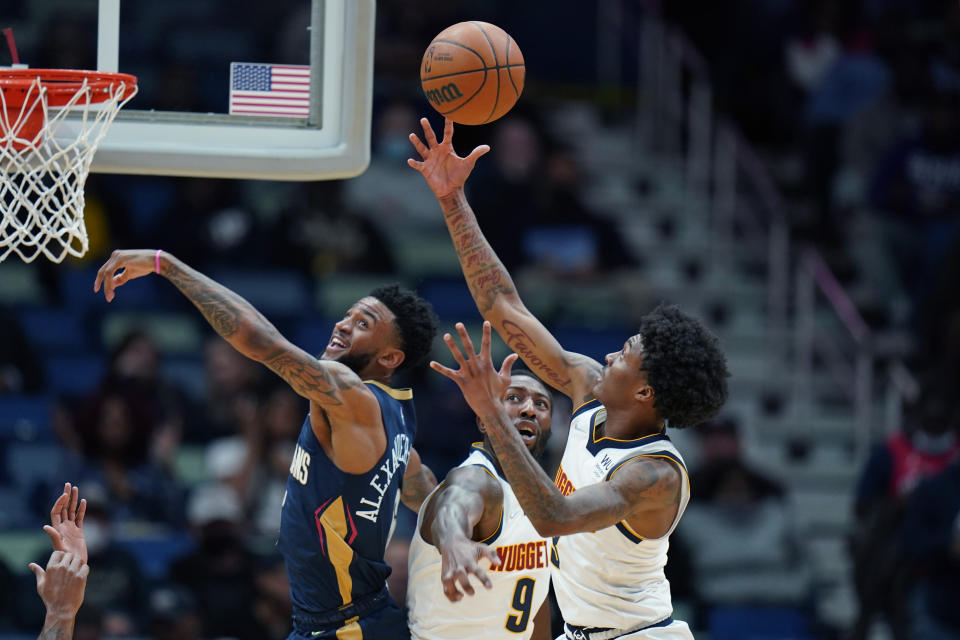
<point x="611" y="578"/>
<point x="520" y="584"/>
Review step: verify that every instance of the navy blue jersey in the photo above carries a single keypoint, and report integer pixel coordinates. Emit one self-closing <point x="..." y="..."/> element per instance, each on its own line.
<point x="334" y="526"/>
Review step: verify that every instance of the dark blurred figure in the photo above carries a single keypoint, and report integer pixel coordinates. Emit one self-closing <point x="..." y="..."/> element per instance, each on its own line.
<point x="931" y="535"/>
<point x="883" y="570"/>
<point x="918" y="185"/>
<point x="743" y="547"/>
<point x="272" y="606"/>
<point x="232" y="384"/>
<point x="8" y="598"/>
<point x="115" y="432"/>
<point x="320" y="235"/>
<point x="173" y="615"/>
<point x="220" y="574"/>
<point x="20" y="368"/>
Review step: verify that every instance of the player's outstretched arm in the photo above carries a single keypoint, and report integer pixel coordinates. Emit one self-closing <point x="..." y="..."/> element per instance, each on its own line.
<point x="490" y="284"/>
<point x="642" y="487"/>
<point x="418" y="482"/>
<point x="465" y="510"/>
<point x="61" y="587"/>
<point x="334" y="386"/>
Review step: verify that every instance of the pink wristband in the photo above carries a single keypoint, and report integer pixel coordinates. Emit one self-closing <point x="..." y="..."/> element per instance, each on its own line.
<point x="156" y="261"/>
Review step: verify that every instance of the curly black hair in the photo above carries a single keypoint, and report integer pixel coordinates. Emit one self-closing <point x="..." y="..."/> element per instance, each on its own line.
<point x="684" y="365"/>
<point x="415" y="321"/>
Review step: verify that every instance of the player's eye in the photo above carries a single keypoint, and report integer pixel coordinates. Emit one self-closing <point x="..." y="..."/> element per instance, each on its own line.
<point x="512" y="397"/>
<point x="541" y="404"/>
<point x="362" y="323"/>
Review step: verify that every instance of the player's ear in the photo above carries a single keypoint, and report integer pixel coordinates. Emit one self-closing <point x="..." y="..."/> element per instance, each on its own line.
<point x="481" y="426"/>
<point x="645" y="394"/>
<point x="391" y="357"/>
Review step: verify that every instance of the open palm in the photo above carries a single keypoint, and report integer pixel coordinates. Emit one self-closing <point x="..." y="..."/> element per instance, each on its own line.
<point x="66" y="523"/>
<point x="444" y="170"/>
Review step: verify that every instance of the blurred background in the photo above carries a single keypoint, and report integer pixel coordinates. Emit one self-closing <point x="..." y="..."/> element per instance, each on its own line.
<point x="787" y="170"/>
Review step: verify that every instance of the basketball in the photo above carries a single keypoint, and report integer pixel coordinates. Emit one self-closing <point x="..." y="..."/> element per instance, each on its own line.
<point x="472" y="72"/>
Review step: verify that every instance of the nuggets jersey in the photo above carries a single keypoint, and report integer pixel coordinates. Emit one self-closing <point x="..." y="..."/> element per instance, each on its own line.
<point x="520" y="584"/>
<point x="611" y="578"/>
<point x="334" y="526"/>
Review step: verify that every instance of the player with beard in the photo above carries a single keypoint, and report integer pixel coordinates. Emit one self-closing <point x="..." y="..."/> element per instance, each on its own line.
<point x="474" y="514"/>
<point x="622" y="485"/>
<point x="354" y="460"/>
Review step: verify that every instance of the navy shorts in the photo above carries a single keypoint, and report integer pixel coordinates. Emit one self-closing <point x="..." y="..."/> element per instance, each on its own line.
<point x="386" y="623"/>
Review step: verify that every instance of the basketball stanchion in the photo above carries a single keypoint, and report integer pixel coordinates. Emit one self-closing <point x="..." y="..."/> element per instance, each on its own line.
<point x="51" y="123"/>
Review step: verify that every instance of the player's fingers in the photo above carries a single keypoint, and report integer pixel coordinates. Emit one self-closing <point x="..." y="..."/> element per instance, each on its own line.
<point x="101" y="273"/>
<point x="37" y="570"/>
<point x="419" y="146"/>
<point x="477" y="152"/>
<point x="447" y="131"/>
<point x="450" y="589"/>
<point x="485" y="341"/>
<point x="465" y="339"/>
<point x="75" y="563"/>
<point x="415" y="164"/>
<point x="428" y="133"/>
<point x="442" y="370"/>
<point x="454" y="349"/>
<point x="82" y="511"/>
<point x="84" y="571"/>
<point x="55" y="538"/>
<point x="483" y="577"/>
<point x="57" y="510"/>
<point x="507" y="366"/>
<point x="464" y="582"/>
<point x="74" y="502"/>
<point x="492" y="555"/>
<point x="56" y="557"/>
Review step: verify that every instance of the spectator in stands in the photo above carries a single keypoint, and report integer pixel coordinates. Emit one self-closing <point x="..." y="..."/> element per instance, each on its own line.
<point x="931" y="536"/>
<point x="117" y="459"/>
<point x="231" y="386"/>
<point x="173" y="615"/>
<point x="917" y="184"/>
<point x="883" y="571"/>
<point x="272" y="605"/>
<point x="739" y="533"/>
<point x="319" y="234"/>
<point x="20" y="369"/>
<point x="220" y="573"/>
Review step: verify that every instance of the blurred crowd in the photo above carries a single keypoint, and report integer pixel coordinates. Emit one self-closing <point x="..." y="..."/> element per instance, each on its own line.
<point x="853" y="103"/>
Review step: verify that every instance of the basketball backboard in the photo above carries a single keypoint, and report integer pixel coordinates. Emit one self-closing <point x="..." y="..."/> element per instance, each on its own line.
<point x="191" y="55"/>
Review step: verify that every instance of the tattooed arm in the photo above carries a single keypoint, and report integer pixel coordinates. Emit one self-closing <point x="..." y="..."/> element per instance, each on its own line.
<point x="490" y="284"/>
<point x="466" y="510"/>
<point x="338" y="390"/>
<point x="645" y="491"/>
<point x="418" y="482"/>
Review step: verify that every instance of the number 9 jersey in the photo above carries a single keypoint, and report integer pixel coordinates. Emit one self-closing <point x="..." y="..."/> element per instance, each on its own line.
<point x="520" y="583"/>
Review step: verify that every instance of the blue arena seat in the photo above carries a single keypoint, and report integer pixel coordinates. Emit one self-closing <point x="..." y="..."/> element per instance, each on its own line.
<point x="74" y="375"/>
<point x="25" y="417"/>
<point x="450" y="298"/>
<point x="758" y="623"/>
<point x="270" y="291"/>
<point x="54" y="330"/>
<point x="155" y="553"/>
<point x="31" y="463"/>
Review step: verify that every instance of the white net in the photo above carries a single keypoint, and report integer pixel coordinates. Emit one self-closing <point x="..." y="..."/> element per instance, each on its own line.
<point x="44" y="163"/>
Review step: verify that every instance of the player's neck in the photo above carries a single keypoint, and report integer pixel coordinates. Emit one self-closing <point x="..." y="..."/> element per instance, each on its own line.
<point x="488" y="449"/>
<point x="628" y="426"/>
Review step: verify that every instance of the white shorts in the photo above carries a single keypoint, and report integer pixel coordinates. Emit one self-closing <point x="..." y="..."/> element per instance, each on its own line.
<point x="676" y="630"/>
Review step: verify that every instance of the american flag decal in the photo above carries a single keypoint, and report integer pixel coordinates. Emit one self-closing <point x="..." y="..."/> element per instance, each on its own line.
<point x="260" y="89"/>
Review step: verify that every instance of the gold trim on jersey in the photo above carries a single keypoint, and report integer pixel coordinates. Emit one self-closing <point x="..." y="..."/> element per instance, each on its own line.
<point x="479" y="447"/>
<point x="601" y="416"/>
<point x="683" y="469"/>
<point x="396" y="394"/>
<point x="334" y="525"/>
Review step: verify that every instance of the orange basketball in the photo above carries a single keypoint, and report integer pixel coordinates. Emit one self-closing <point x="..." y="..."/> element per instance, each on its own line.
<point x="472" y="72"/>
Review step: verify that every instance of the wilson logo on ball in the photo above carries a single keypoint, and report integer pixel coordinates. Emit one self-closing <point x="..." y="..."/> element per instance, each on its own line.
<point x="446" y="93"/>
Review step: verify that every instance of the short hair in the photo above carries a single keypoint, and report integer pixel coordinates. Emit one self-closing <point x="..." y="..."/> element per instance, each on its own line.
<point x="415" y="321"/>
<point x="519" y="370"/>
<point x="684" y="365"/>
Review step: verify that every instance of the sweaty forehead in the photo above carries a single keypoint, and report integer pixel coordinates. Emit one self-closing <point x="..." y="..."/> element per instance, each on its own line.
<point x="373" y="307"/>
<point x="529" y="384"/>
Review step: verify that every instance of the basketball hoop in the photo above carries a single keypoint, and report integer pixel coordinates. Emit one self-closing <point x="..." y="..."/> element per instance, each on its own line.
<point x="51" y="123"/>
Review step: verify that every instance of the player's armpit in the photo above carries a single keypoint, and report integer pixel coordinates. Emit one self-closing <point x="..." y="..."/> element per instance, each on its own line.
<point x="541" y="623"/>
<point x="644" y="491"/>
<point x="418" y="482"/>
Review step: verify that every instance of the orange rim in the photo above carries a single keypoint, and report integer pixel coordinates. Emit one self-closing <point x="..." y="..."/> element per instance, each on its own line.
<point x="62" y="84"/>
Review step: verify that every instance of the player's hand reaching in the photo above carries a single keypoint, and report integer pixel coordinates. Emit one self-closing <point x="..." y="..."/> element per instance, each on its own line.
<point x="61" y="585"/>
<point x="66" y="523"/>
<point x="482" y="385"/>
<point x="444" y="170"/>
<point x="122" y="267"/>
<point x="459" y="560"/>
